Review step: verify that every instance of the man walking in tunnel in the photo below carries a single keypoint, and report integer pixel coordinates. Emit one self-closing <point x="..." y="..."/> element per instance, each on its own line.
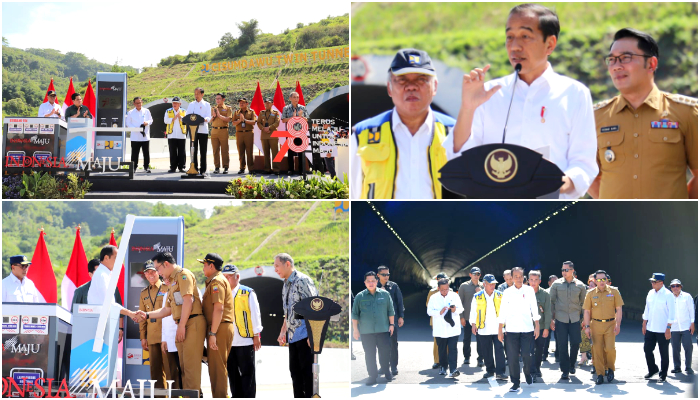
<point x="466" y="292"/>
<point x="552" y="278"/>
<point x="436" y="357"/>
<point x="397" y="300"/>
<point x="657" y="320"/>
<point x="444" y="307"/>
<point x="483" y="318"/>
<point x="544" y="307"/>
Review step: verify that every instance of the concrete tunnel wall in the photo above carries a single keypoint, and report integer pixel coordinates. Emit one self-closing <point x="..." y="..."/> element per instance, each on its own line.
<point x="268" y="288"/>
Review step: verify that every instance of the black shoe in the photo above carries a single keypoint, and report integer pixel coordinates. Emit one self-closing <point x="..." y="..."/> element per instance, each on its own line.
<point x="572" y="371"/>
<point x="689" y="371"/>
<point x="502" y="377"/>
<point x="466" y="361"/>
<point x="148" y="171"/>
<point x="395" y="371"/>
<point x="529" y="380"/>
<point x="388" y="377"/>
<point x="436" y="365"/>
<point x="216" y="170"/>
<point x="662" y="379"/>
<point x="442" y="371"/>
<point x="515" y="387"/>
<point x="170" y="171"/>
<point x="182" y="171"/>
<point x="564" y="377"/>
<point x="480" y="363"/>
<point x="599" y="381"/>
<point x="225" y="170"/>
<point x="240" y="171"/>
<point x="676" y="370"/>
<point x="610" y="374"/>
<point x="204" y="174"/>
<point x="371" y="381"/>
<point x="650" y="375"/>
<point x="488" y="375"/>
<point x="454" y="374"/>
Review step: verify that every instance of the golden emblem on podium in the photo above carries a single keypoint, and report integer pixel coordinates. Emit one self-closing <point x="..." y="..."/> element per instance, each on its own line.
<point x="501" y="165"/>
<point x="317" y="304"/>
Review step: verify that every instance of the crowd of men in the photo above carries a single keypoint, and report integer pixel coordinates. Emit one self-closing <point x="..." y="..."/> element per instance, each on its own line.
<point x="221" y="117"/>
<point x="175" y="321"/>
<point x="513" y="322"/>
<point x="638" y="144"/>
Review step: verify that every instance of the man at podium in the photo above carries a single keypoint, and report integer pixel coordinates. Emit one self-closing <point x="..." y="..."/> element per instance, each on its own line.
<point x="17" y="287"/>
<point x="550" y="113"/>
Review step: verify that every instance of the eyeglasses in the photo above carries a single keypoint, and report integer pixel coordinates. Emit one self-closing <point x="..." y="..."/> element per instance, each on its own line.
<point x="384" y="274"/>
<point x="624" y="59"/>
<point x="566" y="270"/>
<point x="25" y="266"/>
<point x="601" y="280"/>
<point x="675" y="286"/>
<point x="476" y="273"/>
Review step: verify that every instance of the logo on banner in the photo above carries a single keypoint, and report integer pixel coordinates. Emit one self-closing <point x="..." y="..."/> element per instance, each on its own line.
<point x="10" y="324"/>
<point x="13" y="346"/>
<point x="35" y="325"/>
<point x="156" y="248"/>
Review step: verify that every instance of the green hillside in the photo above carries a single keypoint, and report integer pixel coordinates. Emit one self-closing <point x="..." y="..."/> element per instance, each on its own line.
<point x="469" y="35"/>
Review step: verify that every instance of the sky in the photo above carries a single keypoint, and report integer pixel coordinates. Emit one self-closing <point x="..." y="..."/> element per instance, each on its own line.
<point x="141" y="33"/>
<point x="206" y="205"/>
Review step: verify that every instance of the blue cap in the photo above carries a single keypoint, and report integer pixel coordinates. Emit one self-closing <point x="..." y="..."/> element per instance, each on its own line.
<point x="475" y="270"/>
<point x="441" y="275"/>
<point x="658" y="277"/>
<point x="490" y="278"/>
<point x="230" y="269"/>
<point x="19" y="260"/>
<point x="412" y="61"/>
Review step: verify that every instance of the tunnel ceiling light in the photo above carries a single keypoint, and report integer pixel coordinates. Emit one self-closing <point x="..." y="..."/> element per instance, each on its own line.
<point x="468" y="267"/>
<point x="398" y="237"/>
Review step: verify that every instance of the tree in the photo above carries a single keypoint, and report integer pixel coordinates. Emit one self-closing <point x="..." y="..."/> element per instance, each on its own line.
<point x="300" y="25"/>
<point x="5" y="42"/>
<point x="17" y="107"/>
<point x="160" y="210"/>
<point x="226" y="40"/>
<point x="249" y="32"/>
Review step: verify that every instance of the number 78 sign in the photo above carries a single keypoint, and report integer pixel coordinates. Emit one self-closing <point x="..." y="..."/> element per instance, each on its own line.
<point x="292" y="134"/>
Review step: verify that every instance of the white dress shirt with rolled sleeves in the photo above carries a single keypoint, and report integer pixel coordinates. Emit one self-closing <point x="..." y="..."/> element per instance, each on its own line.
<point x="437" y="302"/>
<point x="134" y="119"/>
<point x="660" y="310"/>
<point x="168" y="332"/>
<point x="24" y="291"/>
<point x="98" y="287"/>
<point x="685" y="312"/>
<point x="204" y="109"/>
<point x="238" y="340"/>
<point x="491" y="321"/>
<point x="518" y="309"/>
<point x="568" y="132"/>
<point x="46" y="108"/>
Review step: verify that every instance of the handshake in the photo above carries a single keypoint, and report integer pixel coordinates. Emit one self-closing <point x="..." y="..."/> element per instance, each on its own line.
<point x="138" y="316"/>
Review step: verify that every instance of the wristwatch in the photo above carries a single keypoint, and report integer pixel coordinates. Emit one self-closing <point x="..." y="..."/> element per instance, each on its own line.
<point x="147" y="316"/>
<point x="586" y="326"/>
<point x="211" y="333"/>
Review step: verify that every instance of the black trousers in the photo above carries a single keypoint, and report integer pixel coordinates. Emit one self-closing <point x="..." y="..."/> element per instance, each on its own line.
<point x="200" y="143"/>
<point x="650" y="341"/>
<point x="567" y="334"/>
<point x="547" y="342"/>
<point x="241" y="371"/>
<point x="519" y="344"/>
<point x="373" y="343"/>
<point x="467" y="345"/>
<point x="538" y="350"/>
<point x="447" y="351"/>
<point x="394" y="350"/>
<point x="300" y="362"/>
<point x="178" y="153"/>
<point x="330" y="165"/>
<point x="135" y="147"/>
<point x="492" y="348"/>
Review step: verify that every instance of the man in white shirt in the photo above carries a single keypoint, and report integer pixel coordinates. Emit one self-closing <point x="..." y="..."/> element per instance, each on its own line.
<point x="518" y="311"/>
<point x="50" y="109"/>
<point x="657" y="320"/>
<point x="171" y="362"/>
<point x="551" y="114"/>
<point x="136" y="118"/>
<point x="397" y="154"/>
<point x="241" y="359"/>
<point x="100" y="280"/>
<point x="483" y="318"/>
<point x="176" y="132"/>
<point x="445" y="307"/>
<point x="201" y="107"/>
<point x="16" y="287"/>
<point x="683" y="329"/>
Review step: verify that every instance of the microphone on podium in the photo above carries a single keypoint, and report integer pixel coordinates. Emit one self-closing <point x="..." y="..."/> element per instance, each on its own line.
<point x="518" y="67"/>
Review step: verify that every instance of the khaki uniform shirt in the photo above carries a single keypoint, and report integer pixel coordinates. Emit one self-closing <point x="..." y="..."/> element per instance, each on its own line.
<point x="430" y="293"/>
<point x="182" y="283"/>
<point x="650" y="160"/>
<point x="272" y="118"/>
<point x="602" y="304"/>
<point x="218" y="291"/>
<point x="151" y="299"/>
<point x="247" y="115"/>
<point x="224" y="111"/>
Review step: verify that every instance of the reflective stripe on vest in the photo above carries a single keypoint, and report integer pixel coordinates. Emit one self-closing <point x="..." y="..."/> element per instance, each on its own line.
<point x="481" y="307"/>
<point x="379" y="158"/>
<point x="171" y="114"/>
<point x="241" y="309"/>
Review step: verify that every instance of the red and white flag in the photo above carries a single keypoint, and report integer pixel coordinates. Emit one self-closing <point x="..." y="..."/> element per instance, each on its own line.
<point x="46" y="96"/>
<point x="257" y="105"/>
<point x="90" y="101"/>
<point x="76" y="273"/>
<point x="278" y="104"/>
<point x="120" y="284"/>
<point x="67" y="101"/>
<point x="41" y="272"/>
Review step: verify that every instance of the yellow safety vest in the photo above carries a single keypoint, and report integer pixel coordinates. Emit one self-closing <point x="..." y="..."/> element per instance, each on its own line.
<point x="171" y="114"/>
<point x="241" y="309"/>
<point x="480" y="299"/>
<point x="379" y="155"/>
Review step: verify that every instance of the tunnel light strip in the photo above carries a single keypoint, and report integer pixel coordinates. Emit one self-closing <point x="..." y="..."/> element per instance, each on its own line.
<point x="540" y="222"/>
<point x="397" y="236"/>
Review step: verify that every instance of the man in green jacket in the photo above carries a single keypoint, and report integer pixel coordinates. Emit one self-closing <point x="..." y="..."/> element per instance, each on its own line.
<point x="544" y="306"/>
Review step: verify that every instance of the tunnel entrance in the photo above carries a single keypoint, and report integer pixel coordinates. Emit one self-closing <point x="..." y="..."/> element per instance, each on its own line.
<point x="268" y="288"/>
<point x="157" y="109"/>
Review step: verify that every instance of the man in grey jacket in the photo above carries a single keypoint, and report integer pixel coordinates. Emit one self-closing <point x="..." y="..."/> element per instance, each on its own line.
<point x="466" y="295"/>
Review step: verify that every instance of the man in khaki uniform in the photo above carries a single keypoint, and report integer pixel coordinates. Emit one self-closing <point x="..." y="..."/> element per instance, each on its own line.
<point x="220" y="117"/>
<point x="268" y="121"/>
<point x="151" y="299"/>
<point x="604" y="306"/>
<point x="184" y="304"/>
<point x="243" y="120"/>
<point x="436" y="355"/>
<point x="217" y="303"/>
<point x="647" y="139"/>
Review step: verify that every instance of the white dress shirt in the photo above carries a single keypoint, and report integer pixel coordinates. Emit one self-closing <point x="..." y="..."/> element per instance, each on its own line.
<point x="518" y="309"/>
<point x="14" y="290"/>
<point x="413" y="174"/>
<point x="46" y="108"/>
<point x="204" y="109"/>
<point x="134" y="119"/>
<point x="436" y="303"/>
<point x="168" y="332"/>
<point x="491" y="321"/>
<point x="98" y="287"/>
<point x="255" y="314"/>
<point x="685" y="312"/>
<point x="660" y="310"/>
<point x="177" y="131"/>
<point x="568" y="134"/>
